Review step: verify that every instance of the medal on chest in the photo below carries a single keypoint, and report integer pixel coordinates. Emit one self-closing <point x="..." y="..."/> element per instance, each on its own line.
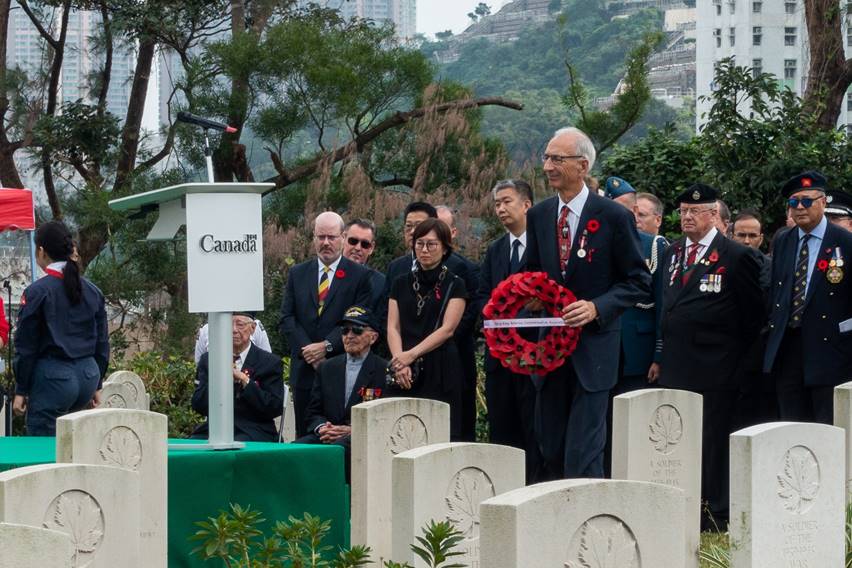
<point x="834" y="274"/>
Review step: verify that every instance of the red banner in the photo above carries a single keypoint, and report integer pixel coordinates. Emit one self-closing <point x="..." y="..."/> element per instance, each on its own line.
<point x="16" y="210"/>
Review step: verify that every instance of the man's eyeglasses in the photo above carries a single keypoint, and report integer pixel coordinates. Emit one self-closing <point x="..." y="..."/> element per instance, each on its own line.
<point x="353" y="329"/>
<point x="366" y="245"/>
<point x="431" y="246"/>
<point x="806" y="202"/>
<point x="693" y="212"/>
<point x="750" y="236"/>
<point x="557" y="159"/>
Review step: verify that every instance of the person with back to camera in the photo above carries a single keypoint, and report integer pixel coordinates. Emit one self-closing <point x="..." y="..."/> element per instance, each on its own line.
<point x="61" y="343"/>
<point x="425" y="307"/>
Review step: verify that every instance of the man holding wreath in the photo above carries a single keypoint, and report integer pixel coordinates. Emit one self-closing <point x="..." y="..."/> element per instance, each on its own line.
<point x="590" y="245"/>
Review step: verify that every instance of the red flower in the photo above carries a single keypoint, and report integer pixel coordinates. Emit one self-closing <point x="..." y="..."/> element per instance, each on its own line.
<point x="377" y="392"/>
<point x="822" y="265"/>
<point x="714" y="256"/>
<point x="593" y="225"/>
<point x="340" y="273"/>
<point x="721" y="270"/>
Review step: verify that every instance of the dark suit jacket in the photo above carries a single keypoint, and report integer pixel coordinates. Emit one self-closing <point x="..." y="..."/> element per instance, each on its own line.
<point x="614" y="277"/>
<point x="827" y="352"/>
<point x="706" y="334"/>
<point x="300" y="322"/>
<point x="495" y="269"/>
<point x="255" y="406"/>
<point x="327" y="397"/>
<point x="377" y="288"/>
<point x="640" y="332"/>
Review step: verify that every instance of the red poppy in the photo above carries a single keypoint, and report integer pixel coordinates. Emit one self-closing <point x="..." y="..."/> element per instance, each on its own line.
<point x="714" y="256"/>
<point x="340" y="273"/>
<point x="593" y="225"/>
<point x="377" y="392"/>
<point x="822" y="265"/>
<point x="721" y="270"/>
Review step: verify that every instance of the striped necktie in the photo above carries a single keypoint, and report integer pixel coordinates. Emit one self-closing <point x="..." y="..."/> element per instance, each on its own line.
<point x="563" y="238"/>
<point x="800" y="284"/>
<point x="322" y="291"/>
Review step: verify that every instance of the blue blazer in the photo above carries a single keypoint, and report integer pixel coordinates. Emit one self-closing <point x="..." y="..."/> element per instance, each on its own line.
<point x="827" y="352"/>
<point x="300" y="322"/>
<point x="614" y="277"/>
<point x="641" y="340"/>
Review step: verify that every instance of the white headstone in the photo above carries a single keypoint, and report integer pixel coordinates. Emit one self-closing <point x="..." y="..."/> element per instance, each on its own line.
<point x="448" y="482"/>
<point x="843" y="419"/>
<point x="656" y="437"/>
<point x="97" y="506"/>
<point x="139" y="399"/>
<point x="117" y="395"/>
<point x="2" y="416"/>
<point x="23" y="546"/>
<point x="135" y="440"/>
<point x="289" y="426"/>
<point x="382" y="429"/>
<point x="584" y="523"/>
<point x="788" y="496"/>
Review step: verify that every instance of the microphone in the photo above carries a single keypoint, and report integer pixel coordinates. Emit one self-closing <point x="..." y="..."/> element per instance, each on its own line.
<point x="204" y="122"/>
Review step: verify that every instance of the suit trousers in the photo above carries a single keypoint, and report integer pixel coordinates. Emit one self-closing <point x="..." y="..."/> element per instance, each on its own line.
<point x="301" y="400"/>
<point x="511" y="409"/>
<point x="797" y="402"/>
<point x="719" y="408"/>
<point x="570" y="426"/>
<point x="467" y="354"/>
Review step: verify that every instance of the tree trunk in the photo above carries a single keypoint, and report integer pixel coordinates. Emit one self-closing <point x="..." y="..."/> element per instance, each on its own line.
<point x="135" y="108"/>
<point x="829" y="73"/>
<point x="9" y="176"/>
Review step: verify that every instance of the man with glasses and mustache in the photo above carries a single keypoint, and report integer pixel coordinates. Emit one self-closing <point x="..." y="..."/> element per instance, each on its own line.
<point x="317" y="294"/>
<point x="359" y="243"/>
<point x="356" y="376"/>
<point x="713" y="310"/>
<point x="809" y="350"/>
<point x="590" y="245"/>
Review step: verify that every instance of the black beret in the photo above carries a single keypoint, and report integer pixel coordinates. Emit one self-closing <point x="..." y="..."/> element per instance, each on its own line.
<point x="698" y="193"/>
<point x="359" y="316"/>
<point x="810" y="179"/>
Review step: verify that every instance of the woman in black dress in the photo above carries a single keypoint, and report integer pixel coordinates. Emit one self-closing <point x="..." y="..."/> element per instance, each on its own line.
<point x="425" y="307"/>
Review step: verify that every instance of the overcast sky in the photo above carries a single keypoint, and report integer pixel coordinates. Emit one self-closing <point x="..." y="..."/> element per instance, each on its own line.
<point x="439" y="15"/>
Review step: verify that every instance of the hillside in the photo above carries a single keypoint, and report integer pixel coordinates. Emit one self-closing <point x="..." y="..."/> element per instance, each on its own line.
<point x="532" y="69"/>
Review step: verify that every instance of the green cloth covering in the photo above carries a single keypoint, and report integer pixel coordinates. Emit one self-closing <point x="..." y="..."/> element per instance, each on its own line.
<point x="277" y="479"/>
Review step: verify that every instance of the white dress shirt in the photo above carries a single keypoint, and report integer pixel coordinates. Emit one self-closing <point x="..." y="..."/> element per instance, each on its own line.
<point x="522" y="248"/>
<point x="704" y="242"/>
<point x="575" y="209"/>
<point x="331" y="273"/>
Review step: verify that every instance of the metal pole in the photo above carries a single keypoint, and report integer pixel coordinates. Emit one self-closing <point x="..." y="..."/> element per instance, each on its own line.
<point x="220" y="388"/>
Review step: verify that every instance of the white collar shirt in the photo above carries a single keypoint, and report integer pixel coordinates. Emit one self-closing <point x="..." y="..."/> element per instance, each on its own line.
<point x="575" y="209"/>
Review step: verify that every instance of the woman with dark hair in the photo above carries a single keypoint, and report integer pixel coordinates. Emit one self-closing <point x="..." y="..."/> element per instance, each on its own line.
<point x="425" y="307"/>
<point x="61" y="344"/>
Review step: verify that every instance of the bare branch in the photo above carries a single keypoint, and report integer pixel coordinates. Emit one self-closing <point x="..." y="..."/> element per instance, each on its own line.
<point x="54" y="43"/>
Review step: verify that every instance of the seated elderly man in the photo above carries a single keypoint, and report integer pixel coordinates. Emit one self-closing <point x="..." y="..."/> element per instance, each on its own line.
<point x="344" y="381"/>
<point x="258" y="386"/>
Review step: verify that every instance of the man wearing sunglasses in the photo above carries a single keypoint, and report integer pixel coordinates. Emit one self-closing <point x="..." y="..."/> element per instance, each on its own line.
<point x="343" y="381"/>
<point x="359" y="243"/>
<point x="809" y="349"/>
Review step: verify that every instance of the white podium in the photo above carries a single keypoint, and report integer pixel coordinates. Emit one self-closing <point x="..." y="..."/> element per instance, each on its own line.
<point x="224" y="249"/>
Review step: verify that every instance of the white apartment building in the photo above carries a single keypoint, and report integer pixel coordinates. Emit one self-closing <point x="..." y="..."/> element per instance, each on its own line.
<point x="769" y="36"/>
<point x="25" y="49"/>
<point x="402" y="13"/>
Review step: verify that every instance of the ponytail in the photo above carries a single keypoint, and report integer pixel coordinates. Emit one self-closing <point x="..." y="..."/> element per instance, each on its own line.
<point x="55" y="238"/>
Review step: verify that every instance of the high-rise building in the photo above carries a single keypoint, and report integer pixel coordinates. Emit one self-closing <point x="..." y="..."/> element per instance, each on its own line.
<point x="401" y="13"/>
<point x="768" y="36"/>
<point x="26" y="50"/>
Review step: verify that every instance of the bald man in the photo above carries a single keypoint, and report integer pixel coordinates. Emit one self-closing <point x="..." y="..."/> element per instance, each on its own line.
<point x="317" y="293"/>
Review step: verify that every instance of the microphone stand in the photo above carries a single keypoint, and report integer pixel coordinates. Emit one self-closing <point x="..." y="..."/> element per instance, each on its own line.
<point x="9" y="389"/>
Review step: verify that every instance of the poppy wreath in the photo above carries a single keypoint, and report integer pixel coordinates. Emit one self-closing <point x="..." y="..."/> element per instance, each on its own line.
<point x="506" y="344"/>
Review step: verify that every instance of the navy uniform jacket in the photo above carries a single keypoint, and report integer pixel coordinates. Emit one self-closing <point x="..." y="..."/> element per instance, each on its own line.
<point x="706" y="334"/>
<point x="255" y="406"/>
<point x="641" y="341"/>
<point x="614" y="277"/>
<point x="300" y="322"/>
<point x="328" y="403"/>
<point x="50" y="326"/>
<point x="827" y="352"/>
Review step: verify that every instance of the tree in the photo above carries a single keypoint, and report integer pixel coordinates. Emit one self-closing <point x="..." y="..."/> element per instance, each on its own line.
<point x="482" y="9"/>
<point x="605" y="127"/>
<point x="444" y="35"/>
<point x="829" y="72"/>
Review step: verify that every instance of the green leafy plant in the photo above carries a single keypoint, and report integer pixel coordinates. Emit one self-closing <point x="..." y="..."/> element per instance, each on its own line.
<point x="235" y="539"/>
